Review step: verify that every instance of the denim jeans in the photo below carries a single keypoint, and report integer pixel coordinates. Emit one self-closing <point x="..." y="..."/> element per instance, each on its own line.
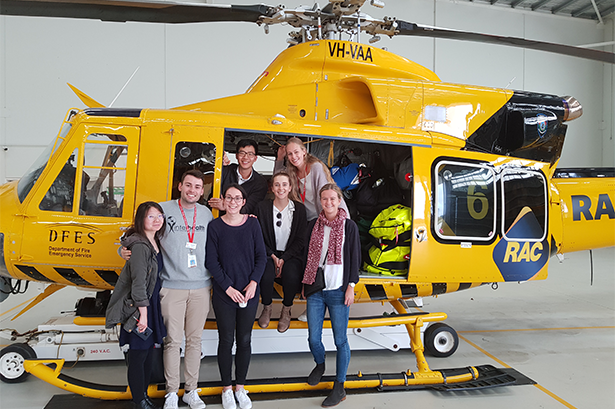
<point x="338" y="312"/>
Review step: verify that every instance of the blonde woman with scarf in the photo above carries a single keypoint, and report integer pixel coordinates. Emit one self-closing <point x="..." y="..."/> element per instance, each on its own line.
<point x="333" y="245"/>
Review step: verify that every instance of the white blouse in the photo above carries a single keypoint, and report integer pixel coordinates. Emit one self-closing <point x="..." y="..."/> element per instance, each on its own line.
<point x="282" y="232"/>
<point x="334" y="273"/>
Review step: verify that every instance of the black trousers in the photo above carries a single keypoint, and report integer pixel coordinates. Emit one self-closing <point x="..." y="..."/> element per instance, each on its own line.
<point x="234" y="324"/>
<point x="139" y="372"/>
<point x="292" y="274"/>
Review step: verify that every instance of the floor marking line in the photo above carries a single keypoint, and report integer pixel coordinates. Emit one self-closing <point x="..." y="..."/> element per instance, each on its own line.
<point x="17" y="306"/>
<point x="535" y="329"/>
<point x="554" y="396"/>
<point x="504" y="364"/>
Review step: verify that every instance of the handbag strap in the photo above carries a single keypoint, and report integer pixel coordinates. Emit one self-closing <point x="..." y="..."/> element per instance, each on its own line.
<point x="324" y="262"/>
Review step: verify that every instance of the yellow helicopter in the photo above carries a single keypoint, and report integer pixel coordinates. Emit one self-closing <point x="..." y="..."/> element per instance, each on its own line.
<point x="474" y="167"/>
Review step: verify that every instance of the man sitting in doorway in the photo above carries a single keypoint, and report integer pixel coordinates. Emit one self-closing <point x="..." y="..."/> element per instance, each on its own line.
<point x="244" y="174"/>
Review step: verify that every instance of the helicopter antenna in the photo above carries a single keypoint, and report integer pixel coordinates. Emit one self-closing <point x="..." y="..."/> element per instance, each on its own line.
<point x="510" y="82"/>
<point x="119" y="93"/>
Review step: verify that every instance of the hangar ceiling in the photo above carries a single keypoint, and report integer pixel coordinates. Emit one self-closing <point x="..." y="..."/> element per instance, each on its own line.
<point x="587" y="9"/>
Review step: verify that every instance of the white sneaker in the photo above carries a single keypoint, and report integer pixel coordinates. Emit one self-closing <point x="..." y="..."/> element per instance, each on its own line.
<point x="193" y="399"/>
<point x="170" y="400"/>
<point x="242" y="398"/>
<point x="228" y="400"/>
<point x="303" y="316"/>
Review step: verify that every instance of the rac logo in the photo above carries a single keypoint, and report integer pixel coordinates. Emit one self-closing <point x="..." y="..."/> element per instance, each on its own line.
<point x="581" y="205"/>
<point x="529" y="252"/>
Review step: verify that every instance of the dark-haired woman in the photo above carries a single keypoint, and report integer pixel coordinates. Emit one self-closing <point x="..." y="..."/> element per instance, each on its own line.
<point x="235" y="256"/>
<point x="136" y="296"/>
<point x="334" y="245"/>
<point x="283" y="221"/>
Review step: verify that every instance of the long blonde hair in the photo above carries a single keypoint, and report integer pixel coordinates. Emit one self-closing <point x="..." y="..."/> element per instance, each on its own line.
<point x="310" y="160"/>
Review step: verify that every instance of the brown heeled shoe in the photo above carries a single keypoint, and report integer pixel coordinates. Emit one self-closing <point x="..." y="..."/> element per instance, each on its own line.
<point x="284" y="321"/>
<point x="263" y="320"/>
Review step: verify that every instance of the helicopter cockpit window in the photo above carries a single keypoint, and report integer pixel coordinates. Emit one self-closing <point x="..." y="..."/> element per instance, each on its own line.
<point x="465" y="206"/>
<point x="104" y="175"/>
<point x="524" y="198"/>
<point x="194" y="155"/>
<point x="28" y="180"/>
<point x="59" y="197"/>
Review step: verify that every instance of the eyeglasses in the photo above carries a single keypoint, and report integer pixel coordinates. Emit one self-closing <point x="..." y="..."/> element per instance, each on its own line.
<point x="279" y="222"/>
<point x="159" y="216"/>
<point x="248" y="154"/>
<point x="237" y="199"/>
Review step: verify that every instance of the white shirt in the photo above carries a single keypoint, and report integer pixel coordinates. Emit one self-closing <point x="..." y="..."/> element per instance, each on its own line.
<point x="282" y="233"/>
<point x="334" y="273"/>
<point x="240" y="179"/>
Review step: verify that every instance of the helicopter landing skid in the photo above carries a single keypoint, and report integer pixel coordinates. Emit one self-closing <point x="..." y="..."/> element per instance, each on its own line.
<point x="469" y="377"/>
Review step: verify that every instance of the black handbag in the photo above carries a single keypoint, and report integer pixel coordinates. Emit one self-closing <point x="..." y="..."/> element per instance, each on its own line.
<point x="317" y="285"/>
<point x="319" y="281"/>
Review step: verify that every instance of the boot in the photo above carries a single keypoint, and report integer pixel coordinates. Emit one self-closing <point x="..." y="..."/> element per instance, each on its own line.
<point x="316" y="374"/>
<point x="144" y="404"/>
<point x="337" y="395"/>
<point x="284" y="321"/>
<point x="263" y="320"/>
<point x="152" y="404"/>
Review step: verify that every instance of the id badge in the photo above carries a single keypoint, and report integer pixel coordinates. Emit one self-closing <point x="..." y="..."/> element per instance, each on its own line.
<point x="191" y="246"/>
<point x="191" y="260"/>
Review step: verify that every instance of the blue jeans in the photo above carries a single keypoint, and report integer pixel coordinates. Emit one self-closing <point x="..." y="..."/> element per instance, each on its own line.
<point x="316" y="306"/>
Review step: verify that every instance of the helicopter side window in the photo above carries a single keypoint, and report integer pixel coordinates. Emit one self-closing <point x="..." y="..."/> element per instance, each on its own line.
<point x="194" y="155"/>
<point x="524" y="197"/>
<point x="465" y="201"/>
<point x="104" y="175"/>
<point x="59" y="197"/>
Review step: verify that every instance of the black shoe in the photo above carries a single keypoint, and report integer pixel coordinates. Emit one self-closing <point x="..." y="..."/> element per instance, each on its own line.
<point x="144" y="404"/>
<point x="316" y="374"/>
<point x="337" y="395"/>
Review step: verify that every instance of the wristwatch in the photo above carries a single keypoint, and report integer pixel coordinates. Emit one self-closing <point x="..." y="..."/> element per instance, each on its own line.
<point x="352" y="284"/>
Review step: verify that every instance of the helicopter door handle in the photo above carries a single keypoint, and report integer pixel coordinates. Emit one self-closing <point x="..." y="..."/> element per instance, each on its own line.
<point x="420" y="234"/>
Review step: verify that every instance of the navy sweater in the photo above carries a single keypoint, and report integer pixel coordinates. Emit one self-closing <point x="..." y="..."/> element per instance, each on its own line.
<point x="235" y="255"/>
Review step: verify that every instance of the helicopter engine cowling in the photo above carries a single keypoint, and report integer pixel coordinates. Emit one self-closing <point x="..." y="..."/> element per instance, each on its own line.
<point x="530" y="126"/>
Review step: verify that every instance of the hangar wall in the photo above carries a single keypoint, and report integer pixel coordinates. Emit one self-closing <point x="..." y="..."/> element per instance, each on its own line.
<point x="182" y="64"/>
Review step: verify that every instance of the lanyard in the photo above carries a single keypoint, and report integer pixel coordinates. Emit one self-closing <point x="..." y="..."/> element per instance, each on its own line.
<point x="302" y="194"/>
<point x="190" y="236"/>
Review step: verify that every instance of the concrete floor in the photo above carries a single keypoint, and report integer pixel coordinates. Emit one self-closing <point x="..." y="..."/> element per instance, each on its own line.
<point x="560" y="332"/>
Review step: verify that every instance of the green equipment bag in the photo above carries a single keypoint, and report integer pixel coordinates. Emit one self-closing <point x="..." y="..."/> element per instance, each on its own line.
<point x="391" y="231"/>
<point x="388" y="260"/>
<point x="393" y="225"/>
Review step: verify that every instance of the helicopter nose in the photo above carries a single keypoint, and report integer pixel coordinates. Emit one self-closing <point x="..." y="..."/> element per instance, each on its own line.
<point x="573" y="108"/>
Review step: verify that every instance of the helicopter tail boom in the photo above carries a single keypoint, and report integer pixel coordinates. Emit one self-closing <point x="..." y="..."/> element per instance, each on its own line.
<point x="586" y="197"/>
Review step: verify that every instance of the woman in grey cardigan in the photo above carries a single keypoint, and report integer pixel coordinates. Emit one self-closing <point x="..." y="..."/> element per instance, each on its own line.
<point x="308" y="173"/>
<point x="135" y="302"/>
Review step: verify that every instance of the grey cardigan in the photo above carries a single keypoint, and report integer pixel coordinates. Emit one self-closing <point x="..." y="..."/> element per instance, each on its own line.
<point x="136" y="282"/>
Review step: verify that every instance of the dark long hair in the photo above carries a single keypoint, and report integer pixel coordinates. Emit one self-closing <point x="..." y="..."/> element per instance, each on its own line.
<point x="138" y="225"/>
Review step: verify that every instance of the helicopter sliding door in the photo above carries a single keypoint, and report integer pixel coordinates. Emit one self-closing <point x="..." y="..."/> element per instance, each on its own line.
<point x="79" y="208"/>
<point x="479" y="220"/>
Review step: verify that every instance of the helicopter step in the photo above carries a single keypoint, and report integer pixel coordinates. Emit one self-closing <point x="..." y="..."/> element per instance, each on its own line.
<point x="50" y="370"/>
<point x="77" y="338"/>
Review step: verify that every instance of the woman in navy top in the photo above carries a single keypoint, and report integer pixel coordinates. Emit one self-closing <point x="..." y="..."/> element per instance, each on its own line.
<point x="236" y="258"/>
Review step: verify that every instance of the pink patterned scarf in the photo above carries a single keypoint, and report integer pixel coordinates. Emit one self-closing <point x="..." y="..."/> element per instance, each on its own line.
<point x="335" y="244"/>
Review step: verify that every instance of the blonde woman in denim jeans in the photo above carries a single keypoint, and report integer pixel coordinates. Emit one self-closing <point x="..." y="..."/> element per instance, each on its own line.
<point x="334" y="244"/>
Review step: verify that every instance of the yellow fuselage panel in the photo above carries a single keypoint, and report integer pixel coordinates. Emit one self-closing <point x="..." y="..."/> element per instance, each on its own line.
<point x="587" y="211"/>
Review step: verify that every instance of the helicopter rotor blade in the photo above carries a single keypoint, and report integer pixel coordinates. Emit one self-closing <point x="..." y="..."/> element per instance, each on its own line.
<point x="136" y="11"/>
<point x="412" y="29"/>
